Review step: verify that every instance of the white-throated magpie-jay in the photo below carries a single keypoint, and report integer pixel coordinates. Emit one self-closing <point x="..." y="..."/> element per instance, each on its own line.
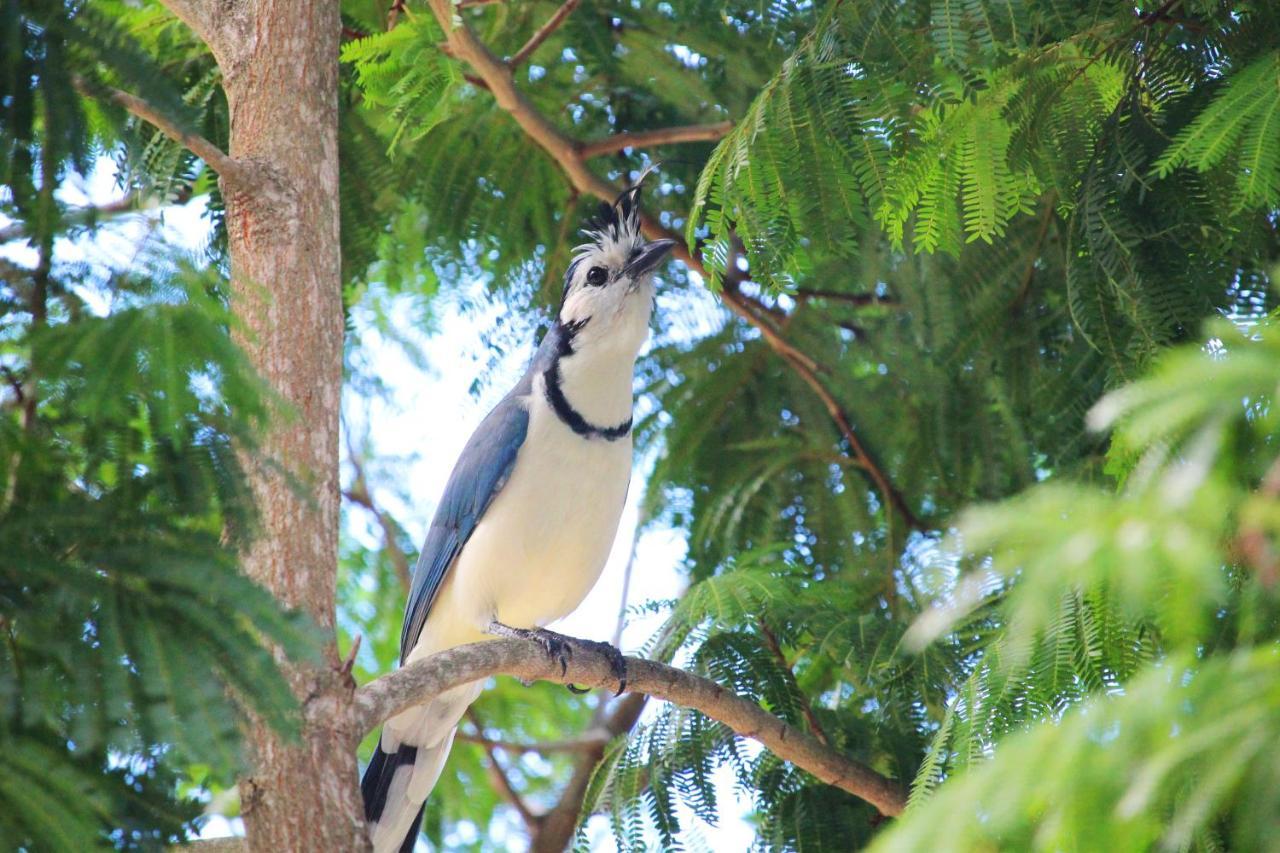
<point x="531" y="509"/>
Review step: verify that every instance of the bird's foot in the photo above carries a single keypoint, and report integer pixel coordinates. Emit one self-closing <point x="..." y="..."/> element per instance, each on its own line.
<point x="560" y="648"/>
<point x="557" y="646"/>
<point x="617" y="662"/>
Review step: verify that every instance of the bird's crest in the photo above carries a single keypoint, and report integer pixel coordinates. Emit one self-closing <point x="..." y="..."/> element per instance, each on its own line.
<point x="615" y="229"/>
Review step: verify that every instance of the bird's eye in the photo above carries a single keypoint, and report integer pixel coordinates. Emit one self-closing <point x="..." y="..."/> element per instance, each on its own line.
<point x="597" y="276"/>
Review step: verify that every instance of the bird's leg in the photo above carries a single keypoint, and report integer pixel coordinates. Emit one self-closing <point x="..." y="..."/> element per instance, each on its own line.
<point x="557" y="646"/>
<point x="560" y="648"/>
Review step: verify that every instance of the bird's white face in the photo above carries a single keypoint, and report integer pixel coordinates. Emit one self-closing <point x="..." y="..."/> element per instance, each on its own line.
<point x="611" y="306"/>
<point x="609" y="285"/>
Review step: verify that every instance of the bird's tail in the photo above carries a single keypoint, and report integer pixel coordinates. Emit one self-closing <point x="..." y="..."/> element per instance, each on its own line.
<point x="406" y="765"/>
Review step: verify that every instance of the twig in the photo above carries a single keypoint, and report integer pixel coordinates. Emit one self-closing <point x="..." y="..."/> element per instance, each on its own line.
<point x="858" y="299"/>
<point x="1252" y="541"/>
<point x="558" y="825"/>
<point x="1024" y="288"/>
<point x="419" y="681"/>
<point x="79" y="216"/>
<point x="775" y="648"/>
<point x="502" y="781"/>
<point x="591" y="739"/>
<point x="393" y="14"/>
<point x="359" y="493"/>
<point x="14" y="383"/>
<point x="652" y="138"/>
<point x="350" y="660"/>
<point x="544" y="32"/>
<point x="214" y="157"/>
<point x="471" y="4"/>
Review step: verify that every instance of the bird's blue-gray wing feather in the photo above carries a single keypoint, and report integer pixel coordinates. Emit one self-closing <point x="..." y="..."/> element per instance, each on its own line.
<point x="478" y="476"/>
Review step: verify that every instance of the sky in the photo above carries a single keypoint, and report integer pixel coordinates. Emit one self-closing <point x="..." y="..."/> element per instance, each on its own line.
<point x="442" y="379"/>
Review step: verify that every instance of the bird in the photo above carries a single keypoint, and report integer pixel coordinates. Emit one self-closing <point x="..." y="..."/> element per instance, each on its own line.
<point x="531" y="509"/>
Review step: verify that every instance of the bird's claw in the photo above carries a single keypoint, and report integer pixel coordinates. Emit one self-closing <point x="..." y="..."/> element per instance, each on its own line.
<point x="617" y="662"/>
<point x="557" y="647"/>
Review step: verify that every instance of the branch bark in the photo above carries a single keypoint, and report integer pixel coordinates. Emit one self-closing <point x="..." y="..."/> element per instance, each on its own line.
<point x="418" y="682"/>
<point x="651" y="138"/>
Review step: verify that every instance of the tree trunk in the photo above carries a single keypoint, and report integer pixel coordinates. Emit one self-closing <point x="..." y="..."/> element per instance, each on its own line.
<point x="279" y="60"/>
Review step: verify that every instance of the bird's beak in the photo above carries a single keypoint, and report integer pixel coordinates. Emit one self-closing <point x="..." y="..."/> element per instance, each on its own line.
<point x="651" y="254"/>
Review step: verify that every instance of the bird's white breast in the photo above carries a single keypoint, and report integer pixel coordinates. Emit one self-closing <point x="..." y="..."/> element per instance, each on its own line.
<point x="545" y="538"/>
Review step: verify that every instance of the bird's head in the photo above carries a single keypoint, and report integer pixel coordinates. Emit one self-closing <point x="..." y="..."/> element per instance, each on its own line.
<point x="608" y="288"/>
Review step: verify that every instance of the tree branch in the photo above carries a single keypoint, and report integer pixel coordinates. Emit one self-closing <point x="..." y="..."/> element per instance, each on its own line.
<point x="775" y="648"/>
<point x="558" y="825"/>
<point x="358" y="493"/>
<point x="651" y="138"/>
<point x="858" y="299"/>
<point x="502" y="781"/>
<point x="463" y="45"/>
<point x="544" y="32"/>
<point x="87" y="215"/>
<point x="419" y="681"/>
<point x="588" y="741"/>
<point x="214" y="157"/>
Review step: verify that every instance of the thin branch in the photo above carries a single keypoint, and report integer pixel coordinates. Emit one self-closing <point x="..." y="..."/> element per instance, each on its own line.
<point x="653" y="138"/>
<point x="544" y="32"/>
<point x="14" y="383"/>
<point x="418" y="682"/>
<point x="471" y="4"/>
<point x="502" y="781"/>
<point x="463" y="45"/>
<point x="83" y="216"/>
<point x="1024" y="288"/>
<point x="359" y="494"/>
<point x="591" y="739"/>
<point x="214" y="157"/>
<point x="857" y="299"/>
<point x="558" y="825"/>
<point x="775" y="648"/>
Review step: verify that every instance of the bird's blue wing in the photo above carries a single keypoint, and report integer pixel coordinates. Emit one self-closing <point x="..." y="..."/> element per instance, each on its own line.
<point x="479" y="474"/>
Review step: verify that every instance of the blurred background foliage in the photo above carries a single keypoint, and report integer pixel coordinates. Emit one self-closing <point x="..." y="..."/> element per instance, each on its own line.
<point x="997" y="231"/>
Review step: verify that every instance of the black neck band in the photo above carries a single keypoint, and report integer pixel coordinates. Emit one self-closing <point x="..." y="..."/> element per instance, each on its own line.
<point x="560" y="404"/>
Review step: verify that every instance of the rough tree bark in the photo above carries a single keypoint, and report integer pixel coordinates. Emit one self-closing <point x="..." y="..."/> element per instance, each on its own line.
<point x="279" y="60"/>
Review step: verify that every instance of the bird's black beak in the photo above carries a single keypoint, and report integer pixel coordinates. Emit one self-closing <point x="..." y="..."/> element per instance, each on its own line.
<point x="650" y="255"/>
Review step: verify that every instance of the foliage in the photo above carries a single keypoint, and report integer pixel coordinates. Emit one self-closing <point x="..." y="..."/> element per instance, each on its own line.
<point x="1168" y="750"/>
<point x="131" y="648"/>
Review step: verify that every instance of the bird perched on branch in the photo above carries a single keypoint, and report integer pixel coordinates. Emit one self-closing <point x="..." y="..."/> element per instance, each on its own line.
<point x="531" y="509"/>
